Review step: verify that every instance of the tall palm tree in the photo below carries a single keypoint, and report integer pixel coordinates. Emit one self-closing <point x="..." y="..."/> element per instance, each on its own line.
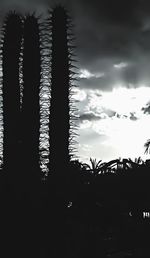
<point x="11" y="47"/>
<point x="30" y="112"/>
<point x="60" y="84"/>
<point x="60" y="118"/>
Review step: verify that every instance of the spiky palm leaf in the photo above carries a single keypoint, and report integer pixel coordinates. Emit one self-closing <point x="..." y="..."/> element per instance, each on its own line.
<point x="94" y="167"/>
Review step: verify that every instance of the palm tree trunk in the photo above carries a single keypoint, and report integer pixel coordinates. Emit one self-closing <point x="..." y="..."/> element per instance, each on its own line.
<point x="30" y="101"/>
<point x="11" y="48"/>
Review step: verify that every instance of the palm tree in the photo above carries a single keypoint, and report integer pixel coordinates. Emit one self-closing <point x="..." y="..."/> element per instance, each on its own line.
<point x="61" y="76"/>
<point x="147" y="147"/>
<point x="95" y="166"/>
<point x="30" y="112"/>
<point x="11" y="47"/>
<point x="61" y="120"/>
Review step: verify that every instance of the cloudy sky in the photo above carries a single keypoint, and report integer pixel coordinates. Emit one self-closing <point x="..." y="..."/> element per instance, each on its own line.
<point x="113" y="52"/>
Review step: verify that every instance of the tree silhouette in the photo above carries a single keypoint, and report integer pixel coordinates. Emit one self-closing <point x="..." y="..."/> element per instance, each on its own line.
<point x="95" y="166"/>
<point x="60" y="124"/>
<point x="11" y="46"/>
<point x="147" y="146"/>
<point x="30" y="112"/>
<point x="61" y="110"/>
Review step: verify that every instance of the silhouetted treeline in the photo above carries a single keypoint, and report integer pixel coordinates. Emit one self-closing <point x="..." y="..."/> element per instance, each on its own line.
<point x="123" y="183"/>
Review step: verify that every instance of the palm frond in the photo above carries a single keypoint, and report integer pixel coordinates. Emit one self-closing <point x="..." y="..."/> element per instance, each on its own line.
<point x="147" y="147"/>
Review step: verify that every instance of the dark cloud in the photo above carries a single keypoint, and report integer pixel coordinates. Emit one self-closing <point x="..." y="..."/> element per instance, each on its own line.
<point x="40" y="7"/>
<point x="133" y="117"/>
<point x="94" y="116"/>
<point x="90" y="116"/>
<point x="103" y="83"/>
<point x="109" y="112"/>
<point x="108" y="32"/>
<point x="146" y="109"/>
<point x="111" y="32"/>
<point x="115" y="11"/>
<point x="104" y="27"/>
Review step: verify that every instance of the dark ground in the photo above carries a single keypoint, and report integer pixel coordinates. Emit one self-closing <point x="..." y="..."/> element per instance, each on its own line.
<point x="93" y="225"/>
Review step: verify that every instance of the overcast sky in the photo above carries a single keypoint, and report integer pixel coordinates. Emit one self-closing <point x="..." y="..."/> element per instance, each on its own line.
<point x="113" y="50"/>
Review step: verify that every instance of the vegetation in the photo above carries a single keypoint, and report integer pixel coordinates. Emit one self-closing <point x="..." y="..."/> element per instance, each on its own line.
<point x="61" y="85"/>
<point x="30" y="109"/>
<point x="107" y="198"/>
<point x="11" y="47"/>
<point x="61" y="118"/>
<point x="147" y="146"/>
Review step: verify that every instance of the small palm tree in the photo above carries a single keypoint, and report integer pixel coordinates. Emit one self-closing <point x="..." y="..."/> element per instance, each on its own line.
<point x="94" y="167"/>
<point x="147" y="147"/>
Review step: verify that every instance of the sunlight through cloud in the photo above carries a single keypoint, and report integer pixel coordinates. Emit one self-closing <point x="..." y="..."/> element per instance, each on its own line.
<point x="79" y="95"/>
<point x="120" y="65"/>
<point x="122" y="100"/>
<point x="126" y="130"/>
<point x="85" y="74"/>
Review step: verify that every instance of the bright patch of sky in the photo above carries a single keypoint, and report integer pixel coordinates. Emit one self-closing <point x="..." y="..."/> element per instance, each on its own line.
<point x="79" y="95"/>
<point x="121" y="100"/>
<point x="122" y="134"/>
<point x="87" y="74"/>
<point x="120" y="65"/>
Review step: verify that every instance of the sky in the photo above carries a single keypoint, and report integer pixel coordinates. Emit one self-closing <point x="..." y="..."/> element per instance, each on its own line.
<point x="113" y="53"/>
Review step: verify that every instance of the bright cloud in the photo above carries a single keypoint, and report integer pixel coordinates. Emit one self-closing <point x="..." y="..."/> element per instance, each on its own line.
<point x="87" y="75"/>
<point x="120" y="65"/>
<point x="124" y="137"/>
<point x="127" y="136"/>
<point x="79" y="95"/>
<point x="122" y="100"/>
<point x="85" y="124"/>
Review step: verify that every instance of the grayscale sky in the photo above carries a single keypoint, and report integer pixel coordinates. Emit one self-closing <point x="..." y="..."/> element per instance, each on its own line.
<point x="113" y="50"/>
